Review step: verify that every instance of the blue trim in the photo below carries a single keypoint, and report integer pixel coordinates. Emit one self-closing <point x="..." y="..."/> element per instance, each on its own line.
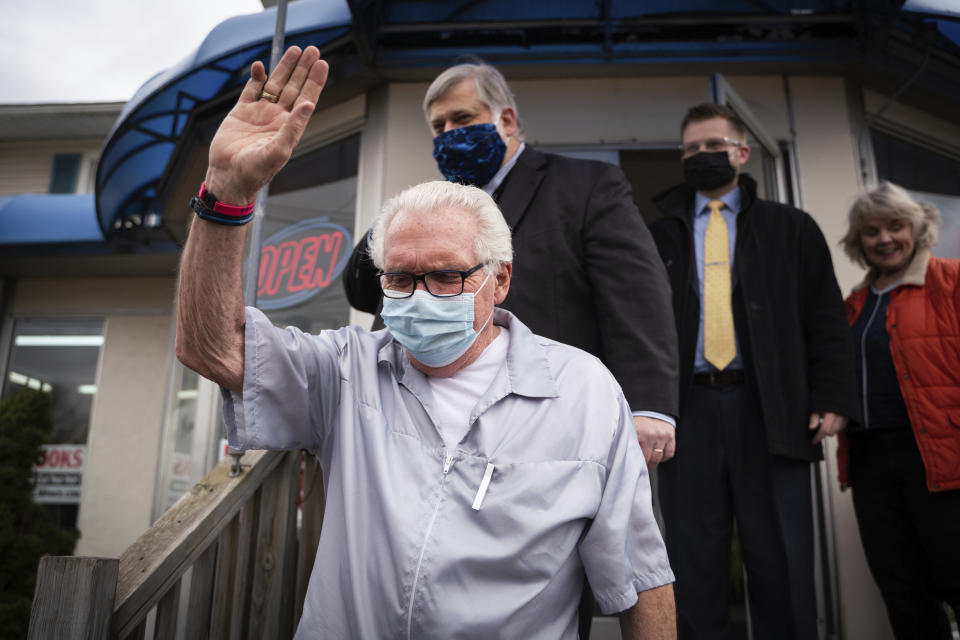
<point x="431" y="11"/>
<point x="48" y="219"/>
<point x="648" y="52"/>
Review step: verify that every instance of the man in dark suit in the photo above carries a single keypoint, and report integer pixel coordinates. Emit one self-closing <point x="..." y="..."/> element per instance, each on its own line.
<point x="586" y="271"/>
<point x="766" y="372"/>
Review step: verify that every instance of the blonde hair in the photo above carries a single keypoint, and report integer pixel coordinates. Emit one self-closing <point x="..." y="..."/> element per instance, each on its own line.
<point x="492" y="246"/>
<point x="890" y="202"/>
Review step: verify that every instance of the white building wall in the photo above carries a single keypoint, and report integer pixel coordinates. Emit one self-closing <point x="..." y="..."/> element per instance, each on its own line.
<point x="125" y="429"/>
<point x="607" y="111"/>
<point x="408" y="147"/>
<point x="767" y="100"/>
<point x="25" y="167"/>
<point x="126" y="418"/>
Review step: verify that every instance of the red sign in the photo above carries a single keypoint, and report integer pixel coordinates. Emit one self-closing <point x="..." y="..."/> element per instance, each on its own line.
<point x="62" y="457"/>
<point x="58" y="478"/>
<point x="299" y="262"/>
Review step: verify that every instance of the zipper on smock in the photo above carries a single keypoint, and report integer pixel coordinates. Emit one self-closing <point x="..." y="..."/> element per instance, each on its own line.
<point x="447" y="463"/>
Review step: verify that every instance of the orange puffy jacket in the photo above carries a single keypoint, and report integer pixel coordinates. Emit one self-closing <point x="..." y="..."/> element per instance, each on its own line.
<point x="923" y="322"/>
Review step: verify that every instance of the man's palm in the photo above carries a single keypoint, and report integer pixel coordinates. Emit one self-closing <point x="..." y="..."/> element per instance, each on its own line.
<point x="258" y="136"/>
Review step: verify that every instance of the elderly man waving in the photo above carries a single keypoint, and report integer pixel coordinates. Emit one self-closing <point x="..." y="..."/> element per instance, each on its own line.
<point x="464" y="497"/>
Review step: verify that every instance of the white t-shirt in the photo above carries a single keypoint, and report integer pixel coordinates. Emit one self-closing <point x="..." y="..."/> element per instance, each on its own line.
<point x="456" y="396"/>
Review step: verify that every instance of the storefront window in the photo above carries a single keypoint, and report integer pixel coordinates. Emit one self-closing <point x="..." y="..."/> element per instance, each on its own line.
<point x="59" y="357"/>
<point x="180" y="472"/>
<point x="307" y="239"/>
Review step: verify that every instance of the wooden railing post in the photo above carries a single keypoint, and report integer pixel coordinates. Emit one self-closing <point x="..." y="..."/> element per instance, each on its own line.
<point x="167" y="611"/>
<point x="274" y="571"/>
<point x="74" y="598"/>
<point x="154" y="563"/>
<point x="312" y="507"/>
<point x="201" y="590"/>
<point x="224" y="557"/>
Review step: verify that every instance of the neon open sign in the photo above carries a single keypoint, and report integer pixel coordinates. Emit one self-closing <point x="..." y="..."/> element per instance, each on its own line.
<point x="300" y="261"/>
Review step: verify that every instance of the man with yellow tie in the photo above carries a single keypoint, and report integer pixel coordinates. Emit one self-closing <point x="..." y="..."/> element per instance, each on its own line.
<point x="767" y="371"/>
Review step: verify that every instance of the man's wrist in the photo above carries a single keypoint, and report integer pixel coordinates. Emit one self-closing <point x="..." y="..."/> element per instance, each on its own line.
<point x="209" y="207"/>
<point x="656" y="415"/>
<point x="226" y="192"/>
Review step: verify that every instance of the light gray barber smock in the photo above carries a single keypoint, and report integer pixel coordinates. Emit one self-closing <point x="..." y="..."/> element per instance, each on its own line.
<point x="404" y="553"/>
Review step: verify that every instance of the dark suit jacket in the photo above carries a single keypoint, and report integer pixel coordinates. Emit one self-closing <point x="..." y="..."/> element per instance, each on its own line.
<point x="787" y="311"/>
<point x="585" y="272"/>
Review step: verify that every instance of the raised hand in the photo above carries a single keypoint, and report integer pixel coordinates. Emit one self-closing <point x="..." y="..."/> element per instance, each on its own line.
<point x="259" y="134"/>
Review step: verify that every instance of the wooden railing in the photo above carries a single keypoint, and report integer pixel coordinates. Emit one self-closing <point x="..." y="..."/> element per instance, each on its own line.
<point x="227" y="561"/>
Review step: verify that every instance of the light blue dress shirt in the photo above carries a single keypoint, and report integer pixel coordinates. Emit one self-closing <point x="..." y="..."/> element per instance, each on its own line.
<point x="487" y="539"/>
<point x="501" y="175"/>
<point x="701" y="215"/>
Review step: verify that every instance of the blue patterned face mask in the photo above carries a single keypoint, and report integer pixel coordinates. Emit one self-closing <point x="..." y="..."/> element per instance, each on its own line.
<point x="470" y="155"/>
<point x="435" y="331"/>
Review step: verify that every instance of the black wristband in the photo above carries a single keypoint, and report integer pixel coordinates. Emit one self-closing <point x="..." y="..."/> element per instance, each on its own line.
<point x="206" y="206"/>
<point x="205" y="212"/>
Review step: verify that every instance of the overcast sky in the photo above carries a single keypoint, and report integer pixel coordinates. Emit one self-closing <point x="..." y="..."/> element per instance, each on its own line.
<point x="99" y="50"/>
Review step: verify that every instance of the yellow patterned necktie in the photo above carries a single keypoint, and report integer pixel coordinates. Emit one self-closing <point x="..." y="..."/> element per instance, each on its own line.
<point x="719" y="344"/>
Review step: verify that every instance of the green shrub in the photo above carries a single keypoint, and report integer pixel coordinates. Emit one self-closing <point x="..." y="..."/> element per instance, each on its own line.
<point x="27" y="531"/>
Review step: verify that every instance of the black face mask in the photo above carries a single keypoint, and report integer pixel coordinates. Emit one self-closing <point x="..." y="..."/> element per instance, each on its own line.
<point x="708" y="171"/>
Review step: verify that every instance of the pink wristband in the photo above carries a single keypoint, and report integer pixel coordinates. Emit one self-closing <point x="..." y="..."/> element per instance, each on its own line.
<point x="211" y="202"/>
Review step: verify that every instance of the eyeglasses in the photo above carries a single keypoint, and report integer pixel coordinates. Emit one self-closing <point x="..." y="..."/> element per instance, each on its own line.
<point x="711" y="145"/>
<point x="445" y="283"/>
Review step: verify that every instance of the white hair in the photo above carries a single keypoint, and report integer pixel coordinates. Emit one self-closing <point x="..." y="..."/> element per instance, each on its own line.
<point x="492" y="246"/>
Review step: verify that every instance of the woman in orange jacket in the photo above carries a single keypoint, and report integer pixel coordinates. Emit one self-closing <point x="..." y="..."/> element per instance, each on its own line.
<point x="902" y="459"/>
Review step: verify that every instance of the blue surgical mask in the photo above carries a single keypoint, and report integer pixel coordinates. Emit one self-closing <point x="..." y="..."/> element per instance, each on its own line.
<point x="435" y="331"/>
<point x="470" y="155"/>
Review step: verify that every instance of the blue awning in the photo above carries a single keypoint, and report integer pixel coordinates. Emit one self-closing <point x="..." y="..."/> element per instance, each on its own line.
<point x="48" y="219"/>
<point x="138" y="156"/>
<point x="139" y="148"/>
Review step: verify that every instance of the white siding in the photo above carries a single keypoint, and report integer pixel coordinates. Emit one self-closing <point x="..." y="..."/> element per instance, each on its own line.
<point x="25" y="166"/>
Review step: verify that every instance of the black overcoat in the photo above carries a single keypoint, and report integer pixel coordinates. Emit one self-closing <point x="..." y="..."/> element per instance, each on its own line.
<point x="788" y="312"/>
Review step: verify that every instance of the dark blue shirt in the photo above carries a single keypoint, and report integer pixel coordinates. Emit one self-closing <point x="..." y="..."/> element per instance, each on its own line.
<point x="881" y="400"/>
